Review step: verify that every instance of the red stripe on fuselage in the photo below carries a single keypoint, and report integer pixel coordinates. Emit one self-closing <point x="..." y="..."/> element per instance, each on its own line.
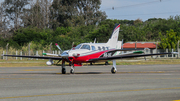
<point x="83" y="59"/>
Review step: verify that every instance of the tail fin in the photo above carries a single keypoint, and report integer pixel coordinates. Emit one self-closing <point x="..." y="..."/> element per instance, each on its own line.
<point x="114" y="37"/>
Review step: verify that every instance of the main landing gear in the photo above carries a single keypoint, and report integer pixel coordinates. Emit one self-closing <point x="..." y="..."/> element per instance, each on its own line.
<point x="113" y="69"/>
<point x="63" y="67"/>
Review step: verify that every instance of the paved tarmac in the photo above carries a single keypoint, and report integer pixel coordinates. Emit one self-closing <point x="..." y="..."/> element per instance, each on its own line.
<point x="91" y="83"/>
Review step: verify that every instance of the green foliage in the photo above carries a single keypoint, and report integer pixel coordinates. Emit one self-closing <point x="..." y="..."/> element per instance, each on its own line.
<point x="165" y="30"/>
<point x="70" y="13"/>
<point x="62" y="30"/>
<point x="170" y="40"/>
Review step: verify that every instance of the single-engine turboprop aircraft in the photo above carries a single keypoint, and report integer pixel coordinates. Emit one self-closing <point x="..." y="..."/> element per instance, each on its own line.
<point x="92" y="52"/>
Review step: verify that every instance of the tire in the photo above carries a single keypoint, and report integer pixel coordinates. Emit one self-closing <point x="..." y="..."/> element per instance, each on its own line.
<point x="72" y="71"/>
<point x="63" y="71"/>
<point x="113" y="71"/>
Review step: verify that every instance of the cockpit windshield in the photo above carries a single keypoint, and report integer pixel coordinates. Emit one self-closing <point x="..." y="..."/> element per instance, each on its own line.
<point x="78" y="46"/>
<point x="85" y="47"/>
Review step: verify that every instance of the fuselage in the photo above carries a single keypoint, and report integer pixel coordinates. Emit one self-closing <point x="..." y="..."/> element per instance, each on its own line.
<point x="85" y="51"/>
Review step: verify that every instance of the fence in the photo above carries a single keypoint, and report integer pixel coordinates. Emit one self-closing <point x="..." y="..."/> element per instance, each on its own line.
<point x="29" y="53"/>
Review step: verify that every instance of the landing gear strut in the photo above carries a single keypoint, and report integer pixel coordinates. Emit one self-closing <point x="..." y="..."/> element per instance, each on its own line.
<point x="63" y="67"/>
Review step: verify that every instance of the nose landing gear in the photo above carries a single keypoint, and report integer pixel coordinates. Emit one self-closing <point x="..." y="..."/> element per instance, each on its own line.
<point x="72" y="71"/>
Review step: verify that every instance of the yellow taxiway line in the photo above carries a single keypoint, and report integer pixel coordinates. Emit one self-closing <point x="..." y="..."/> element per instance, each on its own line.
<point x="90" y="93"/>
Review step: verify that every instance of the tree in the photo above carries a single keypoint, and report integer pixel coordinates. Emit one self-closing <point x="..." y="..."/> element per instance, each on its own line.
<point x="138" y="21"/>
<point x="14" y="11"/>
<point x="38" y="14"/>
<point x="76" y="12"/>
<point x="170" y="40"/>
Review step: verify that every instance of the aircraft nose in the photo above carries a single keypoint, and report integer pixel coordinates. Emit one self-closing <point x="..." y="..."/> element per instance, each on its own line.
<point x="64" y="54"/>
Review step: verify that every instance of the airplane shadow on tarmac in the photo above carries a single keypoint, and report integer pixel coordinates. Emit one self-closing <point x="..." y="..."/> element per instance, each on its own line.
<point x="40" y="73"/>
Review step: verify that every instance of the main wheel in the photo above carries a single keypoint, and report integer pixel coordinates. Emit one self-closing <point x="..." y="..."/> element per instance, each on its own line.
<point x="63" y="70"/>
<point x="72" y="71"/>
<point x="113" y="70"/>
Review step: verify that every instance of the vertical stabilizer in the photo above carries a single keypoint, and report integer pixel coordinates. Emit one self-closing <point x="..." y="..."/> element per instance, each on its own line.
<point x="114" y="37"/>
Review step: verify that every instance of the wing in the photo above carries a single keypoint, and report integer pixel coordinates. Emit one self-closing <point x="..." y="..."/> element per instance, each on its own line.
<point x="123" y="57"/>
<point x="39" y="57"/>
<point x="114" y="50"/>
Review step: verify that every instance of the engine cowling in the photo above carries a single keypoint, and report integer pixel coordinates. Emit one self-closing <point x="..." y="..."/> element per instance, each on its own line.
<point x="76" y="54"/>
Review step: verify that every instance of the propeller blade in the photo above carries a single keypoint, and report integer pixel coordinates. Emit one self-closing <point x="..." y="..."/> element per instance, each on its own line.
<point x="58" y="47"/>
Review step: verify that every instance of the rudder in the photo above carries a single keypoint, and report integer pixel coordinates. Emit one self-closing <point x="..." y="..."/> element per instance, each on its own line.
<point x="114" y="36"/>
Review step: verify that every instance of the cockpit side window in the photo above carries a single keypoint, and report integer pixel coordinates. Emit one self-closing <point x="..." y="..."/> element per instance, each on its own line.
<point x="85" y="47"/>
<point x="103" y="48"/>
<point x="93" y="48"/>
<point x="107" y="48"/>
<point x="78" y="46"/>
<point x="99" y="48"/>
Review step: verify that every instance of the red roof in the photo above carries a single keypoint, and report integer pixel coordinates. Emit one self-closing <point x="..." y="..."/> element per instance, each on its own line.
<point x="139" y="45"/>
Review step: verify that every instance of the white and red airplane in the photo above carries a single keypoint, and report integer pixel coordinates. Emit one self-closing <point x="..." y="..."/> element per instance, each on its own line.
<point x="92" y="52"/>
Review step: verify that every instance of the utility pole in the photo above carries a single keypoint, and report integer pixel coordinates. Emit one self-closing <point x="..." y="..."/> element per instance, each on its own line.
<point x="7" y="50"/>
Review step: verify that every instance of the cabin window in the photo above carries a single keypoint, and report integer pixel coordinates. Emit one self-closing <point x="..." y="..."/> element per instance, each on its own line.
<point x="107" y="48"/>
<point x="85" y="47"/>
<point x="103" y="48"/>
<point x="99" y="48"/>
<point x="93" y="48"/>
<point x="78" y="46"/>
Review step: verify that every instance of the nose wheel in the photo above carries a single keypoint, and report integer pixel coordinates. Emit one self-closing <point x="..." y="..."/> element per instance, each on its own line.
<point x="72" y="71"/>
<point x="113" y="70"/>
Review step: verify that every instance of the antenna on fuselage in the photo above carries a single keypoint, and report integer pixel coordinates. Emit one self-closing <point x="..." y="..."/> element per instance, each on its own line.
<point x="95" y="40"/>
<point x="72" y="44"/>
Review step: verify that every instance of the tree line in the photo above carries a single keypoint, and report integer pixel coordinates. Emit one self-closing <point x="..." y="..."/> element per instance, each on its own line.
<point x="43" y="22"/>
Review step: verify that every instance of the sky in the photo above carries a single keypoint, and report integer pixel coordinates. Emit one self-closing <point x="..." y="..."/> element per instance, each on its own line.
<point x="142" y="9"/>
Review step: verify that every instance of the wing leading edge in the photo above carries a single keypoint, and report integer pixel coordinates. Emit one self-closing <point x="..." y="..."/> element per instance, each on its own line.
<point x="123" y="57"/>
<point x="39" y="57"/>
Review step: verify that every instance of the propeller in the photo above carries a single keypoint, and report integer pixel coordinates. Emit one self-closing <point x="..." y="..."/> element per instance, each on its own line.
<point x="58" y="47"/>
<point x="63" y="54"/>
